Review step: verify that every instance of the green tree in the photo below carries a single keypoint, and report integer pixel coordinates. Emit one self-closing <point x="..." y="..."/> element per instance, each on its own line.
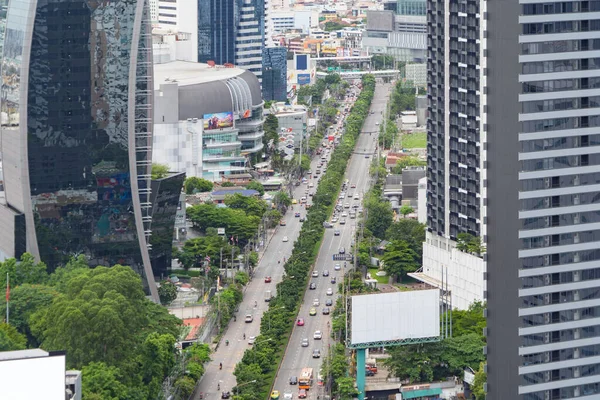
<point x="194" y="184"/>
<point x="102" y="381"/>
<point x="157" y="359"/>
<point x="167" y="292"/>
<point x="399" y="259"/>
<point x="405" y="210"/>
<point x="186" y="386"/>
<point x="469" y="321"/>
<point x="25" y="299"/>
<point x="409" y="230"/>
<point x="345" y="388"/>
<point x="102" y="313"/>
<point x="227" y="184"/>
<point x="11" y="339"/>
<point x="333" y="26"/>
<point x="409" y="161"/>
<point x="477" y="386"/>
<point x="272" y="218"/>
<point x="379" y="215"/>
<point x="195" y="251"/>
<point x="271" y="128"/>
<point x="249" y="204"/>
<point x="463" y="351"/>
<point x="159" y="171"/>
<point x="25" y="271"/>
<point x="416" y="362"/>
<point x="470" y="244"/>
<point x="254" y="185"/>
<point x="282" y="199"/>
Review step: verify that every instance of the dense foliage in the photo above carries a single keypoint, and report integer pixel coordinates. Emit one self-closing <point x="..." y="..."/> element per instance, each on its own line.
<point x="263" y="358"/>
<point x="435" y="361"/>
<point x="194" y="184"/>
<point x="122" y="342"/>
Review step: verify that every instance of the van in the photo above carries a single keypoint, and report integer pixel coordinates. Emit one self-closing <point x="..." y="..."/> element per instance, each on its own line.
<point x="268" y="296"/>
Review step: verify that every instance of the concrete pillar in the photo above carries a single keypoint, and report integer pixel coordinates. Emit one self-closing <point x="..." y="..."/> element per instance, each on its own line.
<point x="360" y="373"/>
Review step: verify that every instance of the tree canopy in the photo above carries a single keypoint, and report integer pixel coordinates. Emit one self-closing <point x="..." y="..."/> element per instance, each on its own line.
<point x="194" y="184"/>
<point x="159" y="171"/>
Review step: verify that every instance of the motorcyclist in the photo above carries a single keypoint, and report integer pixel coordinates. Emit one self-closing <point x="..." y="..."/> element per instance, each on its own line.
<point x="227" y="342"/>
<point x="220" y="365"/>
<point x="244" y="336"/>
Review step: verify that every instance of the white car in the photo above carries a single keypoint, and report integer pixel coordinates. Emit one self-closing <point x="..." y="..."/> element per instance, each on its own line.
<point x="356" y="197"/>
<point x="318" y="335"/>
<point x="315" y="274"/>
<point x="329" y="292"/>
<point x="337" y="267"/>
<point x="344" y="214"/>
<point x="316" y="302"/>
<point x="251" y="340"/>
<point x="285" y="239"/>
<point x="288" y="395"/>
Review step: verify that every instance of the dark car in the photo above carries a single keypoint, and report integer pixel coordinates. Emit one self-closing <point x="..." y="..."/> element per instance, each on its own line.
<point x="329" y="302"/>
<point x="312" y="286"/>
<point x="297" y="215"/>
<point x="293" y="380"/>
<point x="368" y="372"/>
<point x="342" y="250"/>
<point x="302" y="219"/>
<point x="316" y="353"/>
<point x="225" y="395"/>
<point x="336" y="232"/>
<point x="333" y="280"/>
<point x="326" y="311"/>
<point x="325" y="273"/>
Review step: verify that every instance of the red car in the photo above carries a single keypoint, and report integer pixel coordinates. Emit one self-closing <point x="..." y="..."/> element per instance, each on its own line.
<point x="267" y="279"/>
<point x="300" y="322"/>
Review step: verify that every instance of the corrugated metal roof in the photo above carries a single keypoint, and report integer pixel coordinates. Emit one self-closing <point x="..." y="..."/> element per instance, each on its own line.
<point x="415" y="394"/>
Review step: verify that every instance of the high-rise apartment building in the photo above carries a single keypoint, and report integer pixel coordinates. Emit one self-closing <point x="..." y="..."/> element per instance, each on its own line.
<point x="513" y="125"/>
<point x="76" y="133"/>
<point x="232" y="31"/>
<point x="179" y="18"/>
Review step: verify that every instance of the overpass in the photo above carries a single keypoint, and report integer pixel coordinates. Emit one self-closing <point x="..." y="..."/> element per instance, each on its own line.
<point x="344" y="59"/>
<point x="386" y="73"/>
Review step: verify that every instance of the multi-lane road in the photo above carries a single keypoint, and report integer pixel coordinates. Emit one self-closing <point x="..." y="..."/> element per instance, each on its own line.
<point x="216" y="380"/>
<point x="357" y="173"/>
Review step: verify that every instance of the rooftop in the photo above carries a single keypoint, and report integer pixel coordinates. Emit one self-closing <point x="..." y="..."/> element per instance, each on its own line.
<point x="191" y="73"/>
<point x="21" y="354"/>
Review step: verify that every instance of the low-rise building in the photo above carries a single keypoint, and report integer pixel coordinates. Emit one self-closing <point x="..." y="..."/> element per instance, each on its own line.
<point x="208" y="120"/>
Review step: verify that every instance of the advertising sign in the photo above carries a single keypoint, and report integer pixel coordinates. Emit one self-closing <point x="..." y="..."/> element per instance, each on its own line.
<point x="246" y="114"/>
<point x="218" y="121"/>
<point x="303" y="79"/>
<point x="301" y="62"/>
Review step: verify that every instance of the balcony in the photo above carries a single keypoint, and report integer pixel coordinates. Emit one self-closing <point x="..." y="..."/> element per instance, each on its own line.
<point x="227" y="156"/>
<point x="217" y="145"/>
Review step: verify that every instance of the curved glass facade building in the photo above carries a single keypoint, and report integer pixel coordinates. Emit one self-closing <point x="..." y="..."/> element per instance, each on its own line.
<point x="76" y="132"/>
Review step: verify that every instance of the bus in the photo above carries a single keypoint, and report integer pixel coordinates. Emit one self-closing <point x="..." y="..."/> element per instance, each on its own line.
<point x="306" y="379"/>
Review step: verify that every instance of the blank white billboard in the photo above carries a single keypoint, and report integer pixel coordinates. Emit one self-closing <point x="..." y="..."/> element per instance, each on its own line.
<point x="33" y="378"/>
<point x="395" y="316"/>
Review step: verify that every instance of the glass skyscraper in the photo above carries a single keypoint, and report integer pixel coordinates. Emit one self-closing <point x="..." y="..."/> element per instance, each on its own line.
<point x="232" y="31"/>
<point x="76" y="132"/>
<point x="274" y="83"/>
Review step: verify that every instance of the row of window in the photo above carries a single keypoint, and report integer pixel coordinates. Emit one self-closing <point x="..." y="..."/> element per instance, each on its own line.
<point x="559" y="85"/>
<point x="553" y="124"/>
<point x="561" y="27"/>
<point x="558" y="317"/>
<point x="560" y="46"/>
<point x="568" y="296"/>
<point x="570" y="142"/>
<point x="560" y="104"/>
<point x="561" y="355"/>
<point x="560" y="181"/>
<point x="561" y="240"/>
<point x="561" y="7"/>
<point x="571" y="257"/>
<point x="561" y="220"/>
<point x="542" y="203"/>
<point x="542" y="67"/>
<point x="560" y="374"/>
<point x="565" y="392"/>
<point x="558" y="278"/>
<point x="544" y="164"/>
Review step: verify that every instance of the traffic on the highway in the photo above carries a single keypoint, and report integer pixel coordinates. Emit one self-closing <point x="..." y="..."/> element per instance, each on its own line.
<point x="298" y="375"/>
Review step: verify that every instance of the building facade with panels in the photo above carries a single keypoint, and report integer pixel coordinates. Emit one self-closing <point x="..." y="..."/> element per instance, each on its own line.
<point x="187" y="96"/>
<point x="76" y="133"/>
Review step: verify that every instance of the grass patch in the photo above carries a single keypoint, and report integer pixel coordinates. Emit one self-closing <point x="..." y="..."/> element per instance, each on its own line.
<point x="379" y="279"/>
<point x="416" y="140"/>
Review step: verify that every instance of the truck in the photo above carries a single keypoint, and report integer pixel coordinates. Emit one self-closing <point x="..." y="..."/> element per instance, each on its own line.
<point x="306" y="379"/>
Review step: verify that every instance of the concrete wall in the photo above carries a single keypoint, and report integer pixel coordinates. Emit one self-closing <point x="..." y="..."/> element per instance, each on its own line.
<point x="465" y="271"/>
